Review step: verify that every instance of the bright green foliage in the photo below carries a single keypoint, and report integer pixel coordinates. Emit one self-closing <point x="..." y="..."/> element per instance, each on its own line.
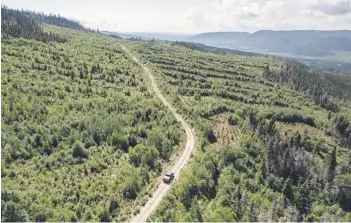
<point x="270" y="175"/>
<point x="143" y="155"/>
<point x="79" y="151"/>
<point x="83" y="139"/>
<point x="233" y="119"/>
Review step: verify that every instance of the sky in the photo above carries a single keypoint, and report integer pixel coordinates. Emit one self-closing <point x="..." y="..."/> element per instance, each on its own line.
<point x="197" y="16"/>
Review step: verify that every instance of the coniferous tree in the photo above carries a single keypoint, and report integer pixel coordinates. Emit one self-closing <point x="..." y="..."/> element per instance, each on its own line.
<point x="332" y="166"/>
<point x="15" y="23"/>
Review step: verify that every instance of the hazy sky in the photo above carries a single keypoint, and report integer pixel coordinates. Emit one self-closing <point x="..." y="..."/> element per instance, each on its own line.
<point x="194" y="16"/>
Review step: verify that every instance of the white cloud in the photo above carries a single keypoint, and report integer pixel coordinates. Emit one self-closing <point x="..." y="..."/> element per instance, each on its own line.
<point x="198" y="17"/>
<point x="338" y="7"/>
<point x="156" y="22"/>
<point x="246" y="15"/>
<point x="236" y="15"/>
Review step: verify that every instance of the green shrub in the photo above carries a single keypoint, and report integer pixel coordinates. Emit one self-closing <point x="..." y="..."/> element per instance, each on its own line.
<point x="233" y="119"/>
<point x="79" y="151"/>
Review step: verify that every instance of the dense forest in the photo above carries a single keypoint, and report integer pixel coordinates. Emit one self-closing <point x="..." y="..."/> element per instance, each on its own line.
<point x="324" y="86"/>
<point x="54" y="19"/>
<point x="85" y="139"/>
<point x="17" y="24"/>
<point x="327" y="88"/>
<point x="82" y="136"/>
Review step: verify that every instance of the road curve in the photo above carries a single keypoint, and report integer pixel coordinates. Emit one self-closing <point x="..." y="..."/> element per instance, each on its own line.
<point x="162" y="189"/>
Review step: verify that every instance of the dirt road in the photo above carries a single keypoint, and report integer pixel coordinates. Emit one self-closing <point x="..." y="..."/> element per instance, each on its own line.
<point x="162" y="189"/>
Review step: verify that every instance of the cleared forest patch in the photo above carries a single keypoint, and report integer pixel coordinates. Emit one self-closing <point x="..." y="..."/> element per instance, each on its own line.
<point x="288" y="129"/>
<point x="226" y="134"/>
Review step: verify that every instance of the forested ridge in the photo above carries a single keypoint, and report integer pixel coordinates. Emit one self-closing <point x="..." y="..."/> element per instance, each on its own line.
<point x="54" y="19"/>
<point x="327" y="88"/>
<point x="324" y="86"/>
<point x="17" y="24"/>
<point x="84" y="138"/>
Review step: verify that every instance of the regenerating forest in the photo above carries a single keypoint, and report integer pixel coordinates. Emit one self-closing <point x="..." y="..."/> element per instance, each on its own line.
<point x="84" y="138"/>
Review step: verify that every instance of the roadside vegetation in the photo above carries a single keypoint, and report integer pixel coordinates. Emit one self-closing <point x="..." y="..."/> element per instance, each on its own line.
<point x="84" y="138"/>
<point x="291" y="160"/>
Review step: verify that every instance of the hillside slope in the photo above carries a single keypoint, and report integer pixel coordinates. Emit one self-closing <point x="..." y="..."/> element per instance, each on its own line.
<point x="290" y="160"/>
<point x="83" y="137"/>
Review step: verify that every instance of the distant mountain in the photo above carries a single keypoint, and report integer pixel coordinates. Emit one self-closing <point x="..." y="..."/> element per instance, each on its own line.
<point x="300" y="42"/>
<point x="311" y="43"/>
<point x="124" y="35"/>
<point x="151" y="35"/>
<point x="164" y="36"/>
<point x="315" y="48"/>
<point x="222" y="37"/>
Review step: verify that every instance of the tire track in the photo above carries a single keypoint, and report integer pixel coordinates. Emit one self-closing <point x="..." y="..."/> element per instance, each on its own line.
<point x="162" y="189"/>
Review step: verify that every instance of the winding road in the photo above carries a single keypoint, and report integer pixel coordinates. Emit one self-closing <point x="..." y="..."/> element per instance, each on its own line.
<point x="162" y="189"/>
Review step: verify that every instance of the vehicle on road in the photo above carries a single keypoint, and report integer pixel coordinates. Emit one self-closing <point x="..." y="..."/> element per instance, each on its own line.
<point x="168" y="177"/>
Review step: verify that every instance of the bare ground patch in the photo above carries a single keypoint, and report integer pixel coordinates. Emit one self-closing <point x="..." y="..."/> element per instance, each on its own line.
<point x="226" y="134"/>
